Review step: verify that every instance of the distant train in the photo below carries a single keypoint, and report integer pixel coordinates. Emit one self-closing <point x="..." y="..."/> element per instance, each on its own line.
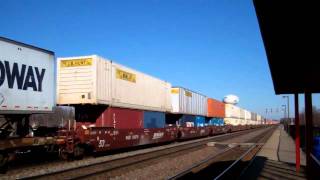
<point x="91" y="104"/>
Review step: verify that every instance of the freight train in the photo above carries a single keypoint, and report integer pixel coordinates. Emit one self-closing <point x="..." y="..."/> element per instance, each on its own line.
<point x="91" y="104"/>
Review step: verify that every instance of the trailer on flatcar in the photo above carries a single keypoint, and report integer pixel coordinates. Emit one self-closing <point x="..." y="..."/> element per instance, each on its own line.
<point x="27" y="86"/>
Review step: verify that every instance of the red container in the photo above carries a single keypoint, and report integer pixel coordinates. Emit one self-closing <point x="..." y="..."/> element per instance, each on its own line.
<point x="120" y="118"/>
<point x="216" y="108"/>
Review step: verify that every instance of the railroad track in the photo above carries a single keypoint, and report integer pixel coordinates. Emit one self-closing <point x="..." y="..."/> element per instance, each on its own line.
<point x="117" y="166"/>
<point x="235" y="159"/>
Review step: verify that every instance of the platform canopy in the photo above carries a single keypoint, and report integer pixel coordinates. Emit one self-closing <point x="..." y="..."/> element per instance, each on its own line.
<point x="289" y="31"/>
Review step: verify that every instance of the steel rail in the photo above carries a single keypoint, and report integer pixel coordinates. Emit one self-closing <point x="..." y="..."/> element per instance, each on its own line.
<point x="254" y="146"/>
<point x="183" y="147"/>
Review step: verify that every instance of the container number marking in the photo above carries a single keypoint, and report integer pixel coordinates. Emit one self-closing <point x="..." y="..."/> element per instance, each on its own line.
<point x="101" y="143"/>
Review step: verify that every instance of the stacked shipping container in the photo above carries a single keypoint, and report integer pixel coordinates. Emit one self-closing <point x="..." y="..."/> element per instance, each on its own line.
<point x="121" y="118"/>
<point x="215" y="122"/>
<point x="232" y="111"/>
<point x="238" y="116"/>
<point x="192" y="121"/>
<point x="188" y="102"/>
<point x="232" y="115"/>
<point x="94" y="80"/>
<point x="122" y="98"/>
<point x="152" y="119"/>
<point x="215" y="108"/>
<point x="216" y="113"/>
<point x="248" y="117"/>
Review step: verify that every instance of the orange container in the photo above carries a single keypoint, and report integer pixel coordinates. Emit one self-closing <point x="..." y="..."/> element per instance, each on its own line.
<point x="216" y="108"/>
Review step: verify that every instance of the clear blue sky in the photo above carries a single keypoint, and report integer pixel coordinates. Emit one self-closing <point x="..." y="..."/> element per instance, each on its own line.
<point x="210" y="46"/>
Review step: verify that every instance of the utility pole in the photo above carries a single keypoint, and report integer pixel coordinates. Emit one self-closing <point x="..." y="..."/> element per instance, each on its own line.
<point x="287" y="105"/>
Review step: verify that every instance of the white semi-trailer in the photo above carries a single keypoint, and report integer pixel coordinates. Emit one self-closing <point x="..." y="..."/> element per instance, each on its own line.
<point x="27" y="86"/>
<point x="27" y="83"/>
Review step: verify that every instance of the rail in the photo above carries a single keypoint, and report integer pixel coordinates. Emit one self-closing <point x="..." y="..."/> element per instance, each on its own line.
<point x="315" y="166"/>
<point x="207" y="160"/>
<point x="235" y="163"/>
<point x="88" y="169"/>
<point x="230" y="170"/>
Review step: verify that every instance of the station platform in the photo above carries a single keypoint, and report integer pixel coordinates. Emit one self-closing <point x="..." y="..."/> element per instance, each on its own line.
<point x="276" y="160"/>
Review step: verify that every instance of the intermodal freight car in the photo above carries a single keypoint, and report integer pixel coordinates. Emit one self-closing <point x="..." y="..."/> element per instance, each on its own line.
<point x="98" y="105"/>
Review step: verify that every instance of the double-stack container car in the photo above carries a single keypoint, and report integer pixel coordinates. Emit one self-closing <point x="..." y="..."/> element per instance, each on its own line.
<point x="97" y="105"/>
<point x="191" y="109"/>
<point x="128" y="107"/>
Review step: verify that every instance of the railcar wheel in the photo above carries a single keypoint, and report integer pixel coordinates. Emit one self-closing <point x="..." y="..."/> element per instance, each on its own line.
<point x="179" y="135"/>
<point x="78" y="152"/>
<point x="63" y="153"/>
<point x="3" y="162"/>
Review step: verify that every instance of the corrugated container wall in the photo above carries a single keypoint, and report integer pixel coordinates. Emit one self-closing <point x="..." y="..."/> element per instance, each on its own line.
<point x="215" y="121"/>
<point x="194" y="121"/>
<point x="247" y="115"/>
<point x="121" y="118"/>
<point x="188" y="102"/>
<point x="242" y="113"/>
<point x="199" y="121"/>
<point x="187" y="119"/>
<point x="153" y="119"/>
<point x="232" y="121"/>
<point x="215" y="108"/>
<point x="232" y="111"/>
<point x="94" y="80"/>
<point x="259" y="117"/>
<point x="254" y="116"/>
<point x="27" y="78"/>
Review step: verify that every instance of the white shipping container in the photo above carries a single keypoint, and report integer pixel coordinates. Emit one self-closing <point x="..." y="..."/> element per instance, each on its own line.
<point x="232" y="111"/>
<point x="259" y="117"/>
<point x="245" y="122"/>
<point x="232" y="121"/>
<point x="247" y="115"/>
<point x="242" y="113"/>
<point x="185" y="101"/>
<point x="95" y="80"/>
<point x="254" y="116"/>
<point x="27" y="81"/>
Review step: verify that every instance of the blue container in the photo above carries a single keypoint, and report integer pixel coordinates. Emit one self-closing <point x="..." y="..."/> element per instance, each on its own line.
<point x="316" y="147"/>
<point x="152" y="119"/>
<point x="199" y="121"/>
<point x="215" y="122"/>
<point x="187" y="118"/>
